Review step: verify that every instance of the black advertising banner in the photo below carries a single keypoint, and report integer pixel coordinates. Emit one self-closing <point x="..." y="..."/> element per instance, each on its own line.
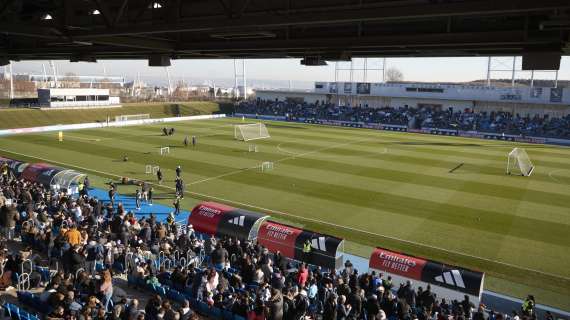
<point x="223" y="221"/>
<point x="453" y="278"/>
<point x="432" y="272"/>
<point x="348" y="87"/>
<point x="363" y="88"/>
<point x="323" y="249"/>
<point x="556" y="94"/>
<point x="237" y="223"/>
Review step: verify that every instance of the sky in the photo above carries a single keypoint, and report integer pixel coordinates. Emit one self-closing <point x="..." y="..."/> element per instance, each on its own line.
<point x="447" y="69"/>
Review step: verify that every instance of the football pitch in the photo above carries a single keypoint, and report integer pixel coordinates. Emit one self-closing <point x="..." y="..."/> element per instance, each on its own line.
<point x="373" y="188"/>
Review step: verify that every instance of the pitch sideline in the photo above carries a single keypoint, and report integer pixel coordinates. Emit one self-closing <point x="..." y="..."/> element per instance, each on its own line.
<point x="417" y="244"/>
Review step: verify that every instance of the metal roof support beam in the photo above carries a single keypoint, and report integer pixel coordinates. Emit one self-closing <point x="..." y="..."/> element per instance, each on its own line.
<point x="263" y="20"/>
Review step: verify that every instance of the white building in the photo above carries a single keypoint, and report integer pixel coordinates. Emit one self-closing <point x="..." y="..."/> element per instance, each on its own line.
<point x="522" y="100"/>
<point x="76" y="97"/>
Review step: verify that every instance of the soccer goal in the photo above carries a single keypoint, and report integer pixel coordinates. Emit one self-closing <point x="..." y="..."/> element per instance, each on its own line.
<point x="164" y="151"/>
<point x="132" y="117"/>
<point x="247" y="132"/>
<point x="519" y="162"/>
<point x="150" y="169"/>
<point x="266" y="166"/>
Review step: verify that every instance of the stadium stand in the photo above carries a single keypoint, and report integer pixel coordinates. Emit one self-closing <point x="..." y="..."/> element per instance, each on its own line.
<point x="467" y="120"/>
<point x="77" y="249"/>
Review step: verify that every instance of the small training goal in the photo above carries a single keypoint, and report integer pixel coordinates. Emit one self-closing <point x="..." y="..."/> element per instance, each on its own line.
<point x="128" y="117"/>
<point x="247" y="132"/>
<point x="150" y="169"/>
<point x="164" y="151"/>
<point x="266" y="166"/>
<point x="518" y="162"/>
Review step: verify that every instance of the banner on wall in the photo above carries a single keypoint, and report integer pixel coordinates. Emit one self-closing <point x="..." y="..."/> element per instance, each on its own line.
<point x="42" y="173"/>
<point x="224" y="221"/>
<point x="16" y="166"/>
<point x="363" y="88"/>
<point x="290" y="240"/>
<point x="450" y="282"/>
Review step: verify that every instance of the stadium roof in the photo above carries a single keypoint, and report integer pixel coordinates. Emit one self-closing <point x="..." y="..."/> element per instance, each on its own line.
<point x="318" y="30"/>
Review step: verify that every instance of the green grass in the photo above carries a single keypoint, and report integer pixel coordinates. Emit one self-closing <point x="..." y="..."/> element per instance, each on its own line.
<point x="372" y="188"/>
<point x="23" y="118"/>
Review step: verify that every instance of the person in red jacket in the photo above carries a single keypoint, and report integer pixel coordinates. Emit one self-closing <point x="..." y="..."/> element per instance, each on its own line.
<point x="302" y="276"/>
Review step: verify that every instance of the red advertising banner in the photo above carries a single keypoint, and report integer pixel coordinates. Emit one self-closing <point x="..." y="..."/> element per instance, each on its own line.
<point x="397" y="263"/>
<point x="206" y="216"/>
<point x="278" y="237"/>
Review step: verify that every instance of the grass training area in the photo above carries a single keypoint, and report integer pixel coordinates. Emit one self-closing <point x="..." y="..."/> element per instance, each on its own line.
<point x="389" y="189"/>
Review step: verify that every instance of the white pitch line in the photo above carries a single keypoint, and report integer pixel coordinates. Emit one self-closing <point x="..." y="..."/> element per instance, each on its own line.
<point x="283" y="150"/>
<point x="297" y="155"/>
<point x="80" y="138"/>
<point x="551" y="173"/>
<point x="417" y="244"/>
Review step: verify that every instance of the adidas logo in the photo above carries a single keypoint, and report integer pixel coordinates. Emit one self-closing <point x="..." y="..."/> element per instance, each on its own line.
<point x="238" y="221"/>
<point x="452" y="277"/>
<point x="319" y="243"/>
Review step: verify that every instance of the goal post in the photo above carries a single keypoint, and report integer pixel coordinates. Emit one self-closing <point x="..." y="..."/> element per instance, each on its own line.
<point x="248" y="132"/>
<point x="128" y="117"/>
<point x="164" y="151"/>
<point x="518" y="162"/>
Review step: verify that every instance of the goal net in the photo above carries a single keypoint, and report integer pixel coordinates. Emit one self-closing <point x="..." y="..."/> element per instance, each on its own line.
<point x="518" y="162"/>
<point x="247" y="132"/>
<point x="132" y="117"/>
<point x="164" y="151"/>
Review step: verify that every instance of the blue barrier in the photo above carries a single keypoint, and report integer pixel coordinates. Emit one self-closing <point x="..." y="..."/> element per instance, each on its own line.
<point x="16" y="313"/>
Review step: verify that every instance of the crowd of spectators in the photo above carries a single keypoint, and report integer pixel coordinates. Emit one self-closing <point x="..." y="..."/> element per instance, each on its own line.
<point x="425" y="117"/>
<point x="92" y="244"/>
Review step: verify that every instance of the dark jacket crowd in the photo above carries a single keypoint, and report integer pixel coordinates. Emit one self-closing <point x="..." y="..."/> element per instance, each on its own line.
<point x="91" y="245"/>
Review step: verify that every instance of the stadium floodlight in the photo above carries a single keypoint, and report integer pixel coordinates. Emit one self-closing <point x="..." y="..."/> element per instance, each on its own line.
<point x="247" y="132"/>
<point x="518" y="159"/>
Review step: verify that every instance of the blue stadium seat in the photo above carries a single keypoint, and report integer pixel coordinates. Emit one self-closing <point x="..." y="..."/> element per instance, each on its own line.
<point x="215" y="313"/>
<point x="227" y="315"/>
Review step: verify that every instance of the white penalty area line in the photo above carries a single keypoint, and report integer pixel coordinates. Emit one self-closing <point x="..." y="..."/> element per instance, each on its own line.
<point x="551" y="175"/>
<point x="242" y="204"/>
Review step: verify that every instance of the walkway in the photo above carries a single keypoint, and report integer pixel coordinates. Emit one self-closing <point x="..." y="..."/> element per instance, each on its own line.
<point x="160" y="211"/>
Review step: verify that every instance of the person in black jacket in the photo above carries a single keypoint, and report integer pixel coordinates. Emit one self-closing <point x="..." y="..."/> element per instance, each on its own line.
<point x="372" y="307"/>
<point x="289" y="311"/>
<point x="330" y="308"/>
<point x="275" y="305"/>
<point x="73" y="260"/>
